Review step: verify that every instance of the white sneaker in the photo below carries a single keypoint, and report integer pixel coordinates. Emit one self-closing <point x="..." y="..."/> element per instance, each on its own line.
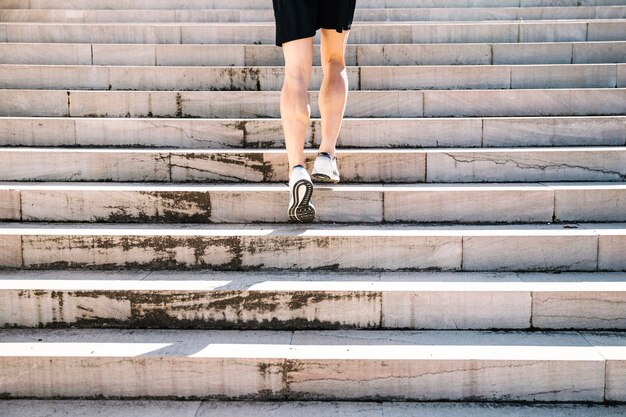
<point x="325" y="168"/>
<point x="300" y="191"/>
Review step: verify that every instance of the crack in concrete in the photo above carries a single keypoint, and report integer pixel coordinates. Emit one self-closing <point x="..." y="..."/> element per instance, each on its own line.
<point x="535" y="165"/>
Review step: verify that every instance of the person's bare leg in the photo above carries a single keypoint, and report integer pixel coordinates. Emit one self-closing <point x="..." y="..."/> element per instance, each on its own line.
<point x="334" y="90"/>
<point x="294" y="99"/>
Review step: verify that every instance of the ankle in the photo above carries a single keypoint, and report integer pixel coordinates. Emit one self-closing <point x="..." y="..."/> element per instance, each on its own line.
<point x="327" y="152"/>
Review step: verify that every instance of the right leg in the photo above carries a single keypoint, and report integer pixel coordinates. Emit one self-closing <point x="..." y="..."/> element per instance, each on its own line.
<point x="294" y="99"/>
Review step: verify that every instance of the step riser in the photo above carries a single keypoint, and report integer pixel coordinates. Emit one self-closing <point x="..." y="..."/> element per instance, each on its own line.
<point x="306" y="309"/>
<point x="355" y="166"/>
<point x="314" y="365"/>
<point x="267" y="15"/>
<point x="294" y="379"/>
<point x="271" y="78"/>
<point x="575" y="31"/>
<point x="355" y="133"/>
<point x="248" y="55"/>
<point x="570" y="252"/>
<point x="262" y="104"/>
<point x="253" y="4"/>
<point x="519" y="206"/>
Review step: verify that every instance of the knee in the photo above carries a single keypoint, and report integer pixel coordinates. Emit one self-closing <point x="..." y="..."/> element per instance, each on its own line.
<point x="334" y="67"/>
<point x="297" y="78"/>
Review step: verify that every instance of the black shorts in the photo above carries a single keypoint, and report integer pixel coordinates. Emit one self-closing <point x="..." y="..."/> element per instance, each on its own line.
<point x="299" y="19"/>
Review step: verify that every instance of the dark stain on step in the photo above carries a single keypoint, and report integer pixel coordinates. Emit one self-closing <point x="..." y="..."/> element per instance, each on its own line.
<point x="204" y="309"/>
<point x="253" y="161"/>
<point x="169" y="207"/>
<point x="240" y="79"/>
<point x="242" y="126"/>
<point x="179" y="105"/>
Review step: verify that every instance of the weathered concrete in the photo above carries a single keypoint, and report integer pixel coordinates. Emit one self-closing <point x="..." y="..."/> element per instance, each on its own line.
<point x="263" y="104"/>
<point x="478" y="74"/>
<point x="190" y="204"/>
<point x="234" y="247"/>
<point x="468" y="203"/>
<point x="74" y="408"/>
<point x="313" y="300"/>
<point x="10" y="205"/>
<point x="564" y="76"/>
<point x="559" y="248"/>
<point x="365" y="166"/>
<point x="267" y="55"/>
<point x="613" y="348"/>
<point x="361" y="15"/>
<point x="233" y="33"/>
<point x="80" y="165"/>
<point x="21" y="103"/>
<point x="556" y="164"/>
<point x="533" y="53"/>
<point x="555" y="102"/>
<point x="580" y="201"/>
<point x="611" y="254"/>
<point x="422" y="365"/>
<point x="568" y="247"/>
<point x="356" y="132"/>
<point x="251" y="4"/>
<point x="256" y="166"/>
<point x="554" y="131"/>
<point x="10" y="251"/>
<point x="46" y="54"/>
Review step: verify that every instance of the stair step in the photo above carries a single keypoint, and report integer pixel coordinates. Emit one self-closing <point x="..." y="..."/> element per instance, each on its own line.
<point x="265" y="104"/>
<point x="572" y="247"/>
<point x="254" y="4"/>
<point x="247" y="55"/>
<point x="360" y="166"/>
<point x="355" y="133"/>
<point x="320" y="365"/>
<point x="267" y="15"/>
<point x="264" y="33"/>
<point x="332" y="300"/>
<point x="155" y="408"/>
<point x="485" y="203"/>
<point x="271" y="78"/>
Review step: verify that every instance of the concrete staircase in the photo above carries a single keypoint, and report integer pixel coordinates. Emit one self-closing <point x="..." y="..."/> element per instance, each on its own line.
<point x="475" y="253"/>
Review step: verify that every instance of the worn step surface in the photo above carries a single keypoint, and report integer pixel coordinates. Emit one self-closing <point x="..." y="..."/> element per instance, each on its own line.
<point x="74" y="408"/>
<point x="456" y="77"/>
<point x="356" y="165"/>
<point x="283" y="300"/>
<point x="264" y="33"/>
<point x="570" y="247"/>
<point x="355" y="133"/>
<point x="352" y="365"/>
<point x="516" y="91"/>
<point x="254" y="4"/>
<point x="484" y="203"/>
<point x="265" y="104"/>
<point x="363" y="54"/>
<point x="267" y="15"/>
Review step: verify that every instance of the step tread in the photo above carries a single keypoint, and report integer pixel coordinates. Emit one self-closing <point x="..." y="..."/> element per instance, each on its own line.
<point x="181" y="281"/>
<point x="390" y="151"/>
<point x="251" y="187"/>
<point x="360" y="24"/>
<point x="313" y="230"/>
<point x="427" y="345"/>
<point x="156" y="408"/>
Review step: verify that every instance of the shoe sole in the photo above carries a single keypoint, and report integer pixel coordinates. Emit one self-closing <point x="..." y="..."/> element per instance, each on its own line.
<point x="302" y="211"/>
<point x="324" y="178"/>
